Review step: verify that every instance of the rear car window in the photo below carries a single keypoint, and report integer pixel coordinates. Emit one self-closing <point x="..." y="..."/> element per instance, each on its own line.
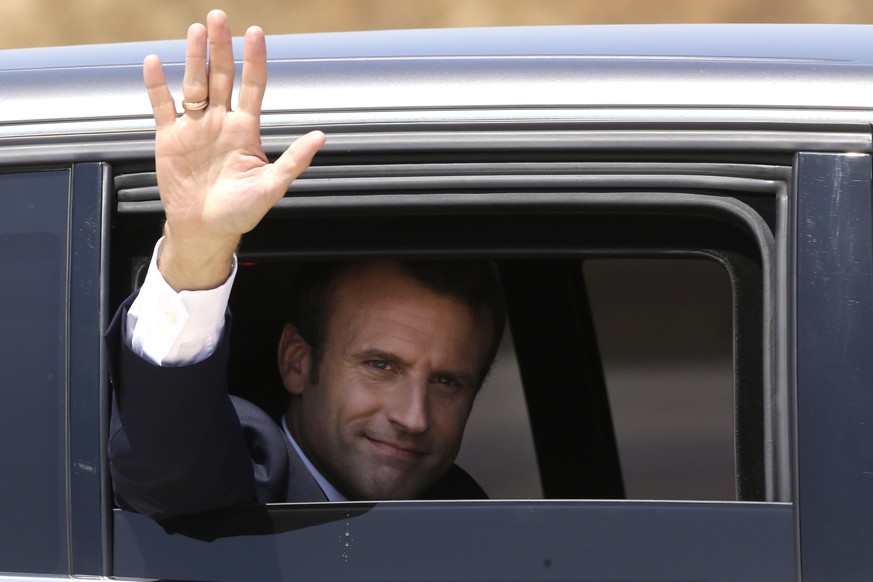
<point x="33" y="260"/>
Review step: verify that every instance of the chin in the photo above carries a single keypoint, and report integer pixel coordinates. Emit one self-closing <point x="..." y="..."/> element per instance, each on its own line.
<point x="390" y="492"/>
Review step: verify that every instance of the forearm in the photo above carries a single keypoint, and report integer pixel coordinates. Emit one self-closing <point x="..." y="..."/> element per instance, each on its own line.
<point x="175" y="445"/>
<point x="175" y="442"/>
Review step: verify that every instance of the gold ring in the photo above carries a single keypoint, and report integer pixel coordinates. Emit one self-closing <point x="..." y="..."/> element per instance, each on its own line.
<point x="194" y="105"/>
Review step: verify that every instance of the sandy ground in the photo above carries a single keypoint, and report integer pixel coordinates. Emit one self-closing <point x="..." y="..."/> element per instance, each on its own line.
<point x="27" y="23"/>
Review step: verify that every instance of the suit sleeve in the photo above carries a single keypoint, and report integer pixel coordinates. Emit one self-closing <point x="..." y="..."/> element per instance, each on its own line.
<point x="176" y="446"/>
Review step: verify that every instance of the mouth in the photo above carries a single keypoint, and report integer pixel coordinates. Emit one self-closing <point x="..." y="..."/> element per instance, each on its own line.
<point x="396" y="451"/>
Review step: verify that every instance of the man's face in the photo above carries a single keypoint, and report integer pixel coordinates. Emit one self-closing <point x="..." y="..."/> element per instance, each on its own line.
<point x="396" y="383"/>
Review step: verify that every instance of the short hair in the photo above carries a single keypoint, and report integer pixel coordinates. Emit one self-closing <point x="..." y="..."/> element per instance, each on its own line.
<point x="473" y="282"/>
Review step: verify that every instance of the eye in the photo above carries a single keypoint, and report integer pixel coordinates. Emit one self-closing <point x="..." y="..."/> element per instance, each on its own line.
<point x="378" y="364"/>
<point x="447" y="381"/>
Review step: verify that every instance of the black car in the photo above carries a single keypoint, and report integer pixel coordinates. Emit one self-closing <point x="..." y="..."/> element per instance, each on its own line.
<point x="682" y="221"/>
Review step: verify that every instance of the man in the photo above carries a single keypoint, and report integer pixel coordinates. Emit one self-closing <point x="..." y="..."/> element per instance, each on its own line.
<point x="382" y="359"/>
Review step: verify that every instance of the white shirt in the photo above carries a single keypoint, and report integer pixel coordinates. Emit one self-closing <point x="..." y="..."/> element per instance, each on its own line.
<point x="168" y="328"/>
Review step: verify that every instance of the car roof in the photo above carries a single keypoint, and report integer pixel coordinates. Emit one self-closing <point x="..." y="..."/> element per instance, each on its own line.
<point x="799" y="42"/>
<point x="822" y="68"/>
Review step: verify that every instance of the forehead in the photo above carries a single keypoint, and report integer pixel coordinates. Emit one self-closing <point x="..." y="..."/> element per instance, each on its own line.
<point x="382" y="296"/>
<point x="385" y="285"/>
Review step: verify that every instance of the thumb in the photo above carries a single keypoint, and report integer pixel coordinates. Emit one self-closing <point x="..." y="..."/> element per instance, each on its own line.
<point x="295" y="160"/>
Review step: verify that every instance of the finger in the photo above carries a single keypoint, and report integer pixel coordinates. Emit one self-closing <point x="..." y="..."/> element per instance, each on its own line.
<point x="254" y="72"/>
<point x="293" y="162"/>
<point x="194" y="85"/>
<point x="220" y="59"/>
<point x="163" y="105"/>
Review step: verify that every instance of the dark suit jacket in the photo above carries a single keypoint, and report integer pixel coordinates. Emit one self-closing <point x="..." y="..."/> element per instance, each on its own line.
<point x="178" y="444"/>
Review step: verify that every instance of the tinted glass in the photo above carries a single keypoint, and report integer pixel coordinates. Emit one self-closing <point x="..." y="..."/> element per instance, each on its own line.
<point x="500" y="540"/>
<point x="498" y="448"/>
<point x="33" y="261"/>
<point x="665" y="335"/>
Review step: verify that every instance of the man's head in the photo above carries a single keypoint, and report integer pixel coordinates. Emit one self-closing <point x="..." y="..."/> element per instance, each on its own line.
<point x="383" y="360"/>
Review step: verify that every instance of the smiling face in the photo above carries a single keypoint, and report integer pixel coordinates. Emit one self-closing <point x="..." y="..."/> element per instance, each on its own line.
<point x="397" y="380"/>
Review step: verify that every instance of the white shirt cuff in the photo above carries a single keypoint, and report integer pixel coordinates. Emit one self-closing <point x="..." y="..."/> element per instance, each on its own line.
<point x="176" y="329"/>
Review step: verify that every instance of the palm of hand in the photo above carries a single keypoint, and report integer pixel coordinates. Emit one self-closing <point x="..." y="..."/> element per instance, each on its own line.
<point x="213" y="176"/>
<point x="219" y="178"/>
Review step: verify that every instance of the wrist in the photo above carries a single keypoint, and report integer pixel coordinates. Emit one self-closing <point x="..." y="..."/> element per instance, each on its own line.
<point x="196" y="263"/>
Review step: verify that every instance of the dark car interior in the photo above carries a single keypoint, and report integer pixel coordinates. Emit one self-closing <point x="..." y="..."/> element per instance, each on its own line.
<point x="541" y="229"/>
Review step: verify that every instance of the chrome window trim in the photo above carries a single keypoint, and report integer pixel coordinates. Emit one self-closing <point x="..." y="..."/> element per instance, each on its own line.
<point x="796" y="119"/>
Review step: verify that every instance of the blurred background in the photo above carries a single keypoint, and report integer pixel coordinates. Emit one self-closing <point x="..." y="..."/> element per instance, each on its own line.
<point x="30" y="23"/>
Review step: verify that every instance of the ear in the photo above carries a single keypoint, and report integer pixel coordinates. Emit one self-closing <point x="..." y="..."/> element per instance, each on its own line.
<point x="294" y="360"/>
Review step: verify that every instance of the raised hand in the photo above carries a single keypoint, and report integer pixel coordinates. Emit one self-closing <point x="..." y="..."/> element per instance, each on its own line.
<point x="214" y="179"/>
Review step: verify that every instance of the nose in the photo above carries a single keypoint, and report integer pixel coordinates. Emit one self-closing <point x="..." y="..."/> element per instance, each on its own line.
<point x="408" y="409"/>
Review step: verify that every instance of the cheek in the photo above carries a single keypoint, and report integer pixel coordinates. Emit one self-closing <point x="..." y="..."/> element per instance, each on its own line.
<point x="352" y="399"/>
